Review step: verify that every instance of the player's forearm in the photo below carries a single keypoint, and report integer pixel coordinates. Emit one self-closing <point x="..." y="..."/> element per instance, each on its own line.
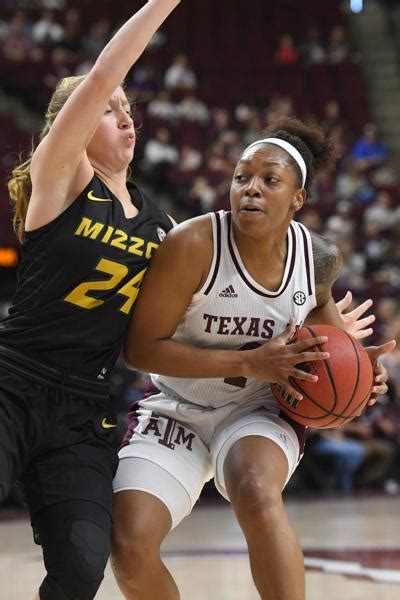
<point x="169" y="357"/>
<point x="129" y="42"/>
<point x="326" y="313"/>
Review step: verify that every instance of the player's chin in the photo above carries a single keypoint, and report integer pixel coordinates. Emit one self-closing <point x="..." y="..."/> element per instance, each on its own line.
<point x="250" y="215"/>
<point x="252" y="220"/>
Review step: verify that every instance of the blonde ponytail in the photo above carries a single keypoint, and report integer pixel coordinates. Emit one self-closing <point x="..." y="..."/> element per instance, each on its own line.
<point x="20" y="184"/>
<point x="20" y="189"/>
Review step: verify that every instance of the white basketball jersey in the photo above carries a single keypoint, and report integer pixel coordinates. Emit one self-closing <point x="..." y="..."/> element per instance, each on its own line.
<point x="233" y="311"/>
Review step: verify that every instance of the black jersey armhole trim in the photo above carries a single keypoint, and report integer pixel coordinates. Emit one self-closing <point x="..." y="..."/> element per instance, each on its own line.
<point x="218" y="258"/>
<point x="307" y="258"/>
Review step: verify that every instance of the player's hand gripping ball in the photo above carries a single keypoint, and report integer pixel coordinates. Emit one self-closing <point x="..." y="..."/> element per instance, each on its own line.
<point x="344" y="383"/>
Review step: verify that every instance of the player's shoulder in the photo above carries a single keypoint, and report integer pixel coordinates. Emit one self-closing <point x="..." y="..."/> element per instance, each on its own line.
<point x="327" y="258"/>
<point x="194" y="232"/>
<point x="188" y="246"/>
<point x="322" y="245"/>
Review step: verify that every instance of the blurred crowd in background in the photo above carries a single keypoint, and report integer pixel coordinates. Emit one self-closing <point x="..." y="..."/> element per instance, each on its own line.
<point x="212" y="79"/>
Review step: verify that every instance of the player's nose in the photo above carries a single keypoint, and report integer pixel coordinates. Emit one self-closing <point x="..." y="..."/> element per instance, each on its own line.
<point x="253" y="187"/>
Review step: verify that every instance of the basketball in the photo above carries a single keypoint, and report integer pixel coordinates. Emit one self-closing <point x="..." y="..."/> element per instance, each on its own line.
<point x="344" y="381"/>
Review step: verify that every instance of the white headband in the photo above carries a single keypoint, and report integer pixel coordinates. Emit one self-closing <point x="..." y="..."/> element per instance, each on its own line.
<point x="290" y="149"/>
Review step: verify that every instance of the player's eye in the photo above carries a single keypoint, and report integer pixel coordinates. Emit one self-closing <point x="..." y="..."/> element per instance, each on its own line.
<point x="272" y="179"/>
<point x="239" y="177"/>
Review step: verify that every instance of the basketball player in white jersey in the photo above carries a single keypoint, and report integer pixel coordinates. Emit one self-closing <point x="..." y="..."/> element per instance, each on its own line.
<point x="222" y="299"/>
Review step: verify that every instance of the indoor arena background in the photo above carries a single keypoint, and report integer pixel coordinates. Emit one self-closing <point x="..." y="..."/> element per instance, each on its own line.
<point x="213" y="77"/>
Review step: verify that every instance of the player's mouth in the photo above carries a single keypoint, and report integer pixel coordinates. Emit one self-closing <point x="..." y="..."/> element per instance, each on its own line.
<point x="250" y="209"/>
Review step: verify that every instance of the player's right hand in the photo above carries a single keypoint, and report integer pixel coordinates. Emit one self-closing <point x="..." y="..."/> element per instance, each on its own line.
<point x="278" y="360"/>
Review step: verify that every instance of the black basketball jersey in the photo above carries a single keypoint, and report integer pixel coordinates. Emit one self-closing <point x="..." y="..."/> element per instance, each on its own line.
<point x="78" y="280"/>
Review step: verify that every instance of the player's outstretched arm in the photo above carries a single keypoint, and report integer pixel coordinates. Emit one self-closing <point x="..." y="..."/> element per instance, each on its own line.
<point x="380" y="373"/>
<point x="327" y="265"/>
<point x="61" y="156"/>
<point x="353" y="321"/>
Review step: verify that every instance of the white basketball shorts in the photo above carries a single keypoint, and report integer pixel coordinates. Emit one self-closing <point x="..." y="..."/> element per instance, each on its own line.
<point x="172" y="448"/>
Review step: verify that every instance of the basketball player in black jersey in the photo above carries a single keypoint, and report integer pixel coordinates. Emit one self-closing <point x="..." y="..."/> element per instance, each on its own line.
<point x="88" y="236"/>
<point x="193" y="431"/>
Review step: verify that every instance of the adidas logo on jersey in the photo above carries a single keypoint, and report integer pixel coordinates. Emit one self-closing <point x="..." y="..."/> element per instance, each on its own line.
<point x="229" y="292"/>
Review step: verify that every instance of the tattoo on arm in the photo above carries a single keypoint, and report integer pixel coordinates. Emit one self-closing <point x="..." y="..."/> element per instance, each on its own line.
<point x="327" y="260"/>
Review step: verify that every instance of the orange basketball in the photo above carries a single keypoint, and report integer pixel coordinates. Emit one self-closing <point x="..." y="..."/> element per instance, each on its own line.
<point x="344" y="381"/>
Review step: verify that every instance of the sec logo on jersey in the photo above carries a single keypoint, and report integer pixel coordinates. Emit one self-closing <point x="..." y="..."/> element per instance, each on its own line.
<point x="161" y="233"/>
<point x="299" y="298"/>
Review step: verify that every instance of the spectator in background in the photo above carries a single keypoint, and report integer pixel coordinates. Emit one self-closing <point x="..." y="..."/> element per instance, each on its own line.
<point x="392" y="363"/>
<point x="190" y="159"/>
<point x="160" y="154"/>
<point x="351" y="185"/>
<point x="340" y="224"/>
<point x="4" y="30"/>
<point x="72" y="34"/>
<point x="332" y="116"/>
<point x="244" y="113"/>
<point x="47" y="31"/>
<point x="379" y="452"/>
<point x="53" y="4"/>
<point x="18" y="42"/>
<point x="339" y="137"/>
<point x="339" y="50"/>
<point x="386" y="413"/>
<point x="96" y="38"/>
<point x="323" y="192"/>
<point x="381" y="212"/>
<point x="145" y="81"/>
<point x="279" y="107"/>
<point x="387" y="314"/>
<point x="190" y="108"/>
<point x="369" y="151"/>
<point x="221" y="121"/>
<point x="387" y="176"/>
<point x="58" y="68"/>
<point x="217" y="165"/>
<point x="342" y="457"/>
<point x="312" y="50"/>
<point x="181" y="176"/>
<point x="180" y="75"/>
<point x="352" y="275"/>
<point x="157" y="41"/>
<point x="375" y="249"/>
<point x="162" y="107"/>
<point x="286" y="53"/>
<point x="201" y="196"/>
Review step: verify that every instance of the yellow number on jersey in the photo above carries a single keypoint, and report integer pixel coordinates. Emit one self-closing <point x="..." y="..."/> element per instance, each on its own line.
<point x="131" y="290"/>
<point x="117" y="272"/>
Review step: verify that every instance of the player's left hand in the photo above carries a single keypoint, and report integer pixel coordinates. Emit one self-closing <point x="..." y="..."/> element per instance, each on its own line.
<point x="380" y="373"/>
<point x="352" y="323"/>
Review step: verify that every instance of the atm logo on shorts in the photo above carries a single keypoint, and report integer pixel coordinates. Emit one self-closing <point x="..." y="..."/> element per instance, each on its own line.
<point x="170" y="432"/>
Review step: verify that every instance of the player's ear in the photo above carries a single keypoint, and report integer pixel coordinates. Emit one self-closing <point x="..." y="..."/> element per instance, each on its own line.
<point x="298" y="199"/>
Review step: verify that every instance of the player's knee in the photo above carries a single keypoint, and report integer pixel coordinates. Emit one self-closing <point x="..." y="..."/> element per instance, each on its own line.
<point x="129" y="553"/>
<point x="254" y="500"/>
<point x="76" y="574"/>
